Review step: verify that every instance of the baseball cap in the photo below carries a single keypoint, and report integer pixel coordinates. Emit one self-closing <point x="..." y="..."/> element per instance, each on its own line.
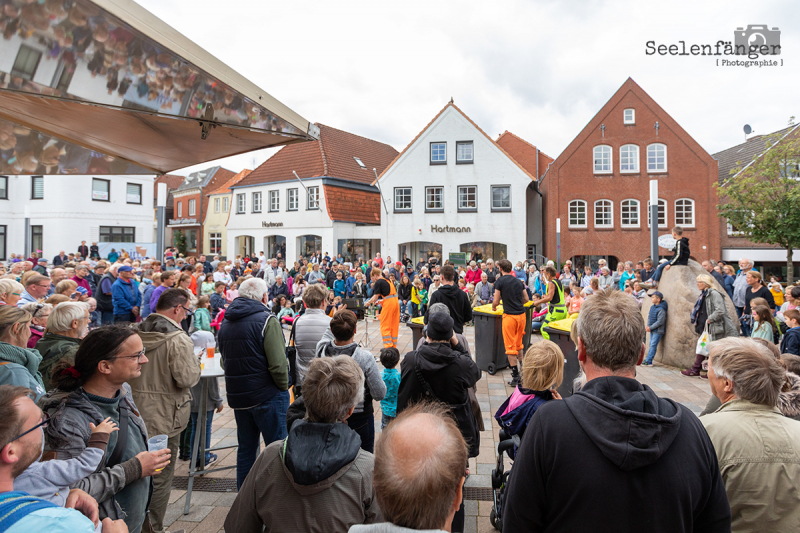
<point x="125" y="268"/>
<point x="657" y="293"/>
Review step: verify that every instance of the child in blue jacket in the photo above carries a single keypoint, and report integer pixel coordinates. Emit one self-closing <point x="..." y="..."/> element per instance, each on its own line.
<point x="339" y="285"/>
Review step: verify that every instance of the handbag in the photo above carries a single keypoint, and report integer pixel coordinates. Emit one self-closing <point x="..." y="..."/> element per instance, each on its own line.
<point x="702" y="342"/>
<point x="291" y="355"/>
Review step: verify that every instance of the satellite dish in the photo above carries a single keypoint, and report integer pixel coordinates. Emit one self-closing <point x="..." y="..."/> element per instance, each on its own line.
<point x="747" y="129"/>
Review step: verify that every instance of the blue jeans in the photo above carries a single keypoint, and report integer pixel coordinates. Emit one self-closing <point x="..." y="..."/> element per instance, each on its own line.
<point x="267" y="420"/>
<point x="659" y="270"/>
<point x="209" y="420"/>
<point x="385" y="420"/>
<point x="127" y="317"/>
<point x="536" y="326"/>
<point x="655" y="338"/>
<point x="106" y="318"/>
<point x="364" y="425"/>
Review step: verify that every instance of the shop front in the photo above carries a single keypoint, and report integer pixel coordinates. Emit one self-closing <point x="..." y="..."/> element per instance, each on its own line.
<point x="274" y="245"/>
<point x="481" y="251"/>
<point x="358" y="249"/>
<point x="421" y="251"/>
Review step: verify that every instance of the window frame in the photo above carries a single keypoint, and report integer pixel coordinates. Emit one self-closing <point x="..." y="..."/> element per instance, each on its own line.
<point x="3" y="241"/>
<point x="656" y="171"/>
<point x="33" y="188"/>
<point x="441" y="200"/>
<point x="625" y="118"/>
<point x="34" y="234"/>
<point x="610" y="159"/>
<point x="315" y="196"/>
<point x="226" y="204"/>
<point x="500" y="209"/>
<point x="359" y="162"/>
<point x="289" y="199"/>
<point x="180" y="209"/>
<point x="430" y="153"/>
<point x="257" y="206"/>
<point x="24" y="75"/>
<point x="692" y="203"/>
<point x="192" y="207"/>
<point x="410" y="207"/>
<point x="458" y="199"/>
<point x="110" y="233"/>
<point x="638" y="213"/>
<point x="241" y="203"/>
<point x="277" y="194"/>
<point x="139" y="185"/>
<point x="666" y="217"/>
<point x="217" y="204"/>
<point x="610" y="215"/>
<point x="108" y="190"/>
<point x="585" y="213"/>
<point x="629" y="146"/>
<point x="215" y="237"/>
<point x="465" y="161"/>
<point x="5" y="188"/>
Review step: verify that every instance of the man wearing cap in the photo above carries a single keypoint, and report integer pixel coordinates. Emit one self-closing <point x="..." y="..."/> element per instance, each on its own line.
<point x="442" y="370"/>
<point x="656" y="324"/>
<point x="349" y="283"/>
<point x="125" y="296"/>
<point x="41" y="267"/>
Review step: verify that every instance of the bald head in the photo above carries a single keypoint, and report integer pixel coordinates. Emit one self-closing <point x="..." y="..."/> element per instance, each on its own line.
<point x="419" y="468"/>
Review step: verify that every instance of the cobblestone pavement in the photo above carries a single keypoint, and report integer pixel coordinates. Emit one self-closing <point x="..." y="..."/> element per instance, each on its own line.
<point x="209" y="509"/>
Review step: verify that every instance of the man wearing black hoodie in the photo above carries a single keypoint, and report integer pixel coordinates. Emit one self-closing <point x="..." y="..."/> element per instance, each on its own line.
<point x="615" y="457"/>
<point x="454" y="298"/>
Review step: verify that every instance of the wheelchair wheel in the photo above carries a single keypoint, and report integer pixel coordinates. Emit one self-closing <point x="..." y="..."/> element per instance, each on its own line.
<point x="491" y="369"/>
<point x="493" y="520"/>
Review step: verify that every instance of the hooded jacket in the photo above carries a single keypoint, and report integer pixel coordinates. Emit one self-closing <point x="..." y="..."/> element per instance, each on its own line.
<point x="163" y="389"/>
<point x="53" y="348"/>
<point x="597" y="452"/>
<point x="720" y="322"/>
<point x="456" y="301"/>
<point x="316" y="480"/>
<point x="791" y="341"/>
<point x="681" y="252"/>
<point x="657" y="317"/>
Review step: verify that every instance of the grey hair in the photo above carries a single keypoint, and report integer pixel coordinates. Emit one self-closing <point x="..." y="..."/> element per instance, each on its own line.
<point x="253" y="288"/>
<point x="60" y="320"/>
<point x="332" y="386"/>
<point x="746" y="261"/>
<point x="757" y="375"/>
<point x="612" y="329"/>
<point x="438" y="307"/>
<point x="81" y="266"/>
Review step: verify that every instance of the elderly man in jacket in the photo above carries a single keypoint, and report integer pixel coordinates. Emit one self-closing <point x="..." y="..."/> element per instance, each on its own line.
<point x="758" y="448"/>
<point x="292" y="488"/>
<point x="66" y="326"/>
<point x="163" y="390"/>
<point x="125" y="296"/>
<point x="256" y="372"/>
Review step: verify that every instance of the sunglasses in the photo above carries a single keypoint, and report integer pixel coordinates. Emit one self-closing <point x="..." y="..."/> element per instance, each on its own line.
<point x="42" y="424"/>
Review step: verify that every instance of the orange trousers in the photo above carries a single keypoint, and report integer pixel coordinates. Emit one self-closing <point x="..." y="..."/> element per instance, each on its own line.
<point x="390" y="322"/>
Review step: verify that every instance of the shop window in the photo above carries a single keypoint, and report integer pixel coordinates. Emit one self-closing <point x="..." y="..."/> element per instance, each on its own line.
<point x="26" y="63"/>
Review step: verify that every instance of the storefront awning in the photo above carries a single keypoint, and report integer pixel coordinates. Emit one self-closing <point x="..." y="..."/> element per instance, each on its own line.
<point x="105" y="87"/>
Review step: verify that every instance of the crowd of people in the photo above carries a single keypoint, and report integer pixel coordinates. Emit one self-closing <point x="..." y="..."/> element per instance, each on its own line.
<point x="85" y="390"/>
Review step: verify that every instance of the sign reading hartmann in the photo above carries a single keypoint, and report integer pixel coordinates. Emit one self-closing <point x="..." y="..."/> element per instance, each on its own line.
<point x="450" y="229"/>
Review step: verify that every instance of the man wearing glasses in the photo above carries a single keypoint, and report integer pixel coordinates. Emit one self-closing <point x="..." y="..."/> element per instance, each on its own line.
<point x="36" y="288"/>
<point x="21" y="441"/>
<point x="163" y="389"/>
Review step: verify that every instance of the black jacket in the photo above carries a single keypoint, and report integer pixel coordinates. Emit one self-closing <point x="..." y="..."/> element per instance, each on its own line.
<point x="330" y="277"/>
<point x="449" y="371"/>
<point x="791" y="342"/>
<point x="457" y="301"/>
<point x="680" y="252"/>
<point x="594" y="455"/>
<point x="404" y="292"/>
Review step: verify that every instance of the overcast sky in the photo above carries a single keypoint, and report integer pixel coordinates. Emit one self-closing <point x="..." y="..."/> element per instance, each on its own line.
<point x="539" y="69"/>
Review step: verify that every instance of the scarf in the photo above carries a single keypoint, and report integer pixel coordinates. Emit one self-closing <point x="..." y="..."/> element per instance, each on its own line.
<point x="697" y="304"/>
<point x="27" y="357"/>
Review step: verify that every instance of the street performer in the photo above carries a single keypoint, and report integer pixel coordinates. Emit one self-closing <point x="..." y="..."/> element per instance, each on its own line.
<point x="512" y="292"/>
<point x="390" y="307"/>
<point x="554" y="298"/>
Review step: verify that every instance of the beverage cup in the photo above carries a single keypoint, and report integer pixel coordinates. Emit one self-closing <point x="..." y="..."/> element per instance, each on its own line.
<point x="159" y="442"/>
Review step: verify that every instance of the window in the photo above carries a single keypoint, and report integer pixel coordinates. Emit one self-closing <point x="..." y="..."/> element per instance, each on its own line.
<point x="657" y="158"/>
<point x="274" y="200"/>
<point x="577" y="214"/>
<point x="3" y="187"/>
<point x="192" y="207"/>
<point x="603" y="214"/>
<point x="216" y="204"/>
<point x="434" y="198"/>
<point x="241" y="203"/>
<point x="790" y="169"/>
<point x="117" y="234"/>
<point x="464" y="152"/>
<point x="225" y="202"/>
<point x="256" y="202"/>
<point x="630" y="213"/>
<point x="292" y="197"/>
<point x="438" y="153"/>
<point x="734" y="231"/>
<point x="37" y="238"/>
<point x="180" y="209"/>
<point x="662" y="213"/>
<point x="629" y="158"/>
<point x="133" y="193"/>
<point x="191" y="240"/>
<point x="37" y="189"/>
<point x="501" y="198"/>
<point x="468" y="198"/>
<point x="629" y="116"/>
<point x="684" y="213"/>
<point x="360" y="163"/>
<point x="313" y="198"/>
<point x="26" y="63"/>
<point x="100" y="190"/>
<point x="402" y="199"/>
<point x="3" y="242"/>
<point x="215" y="243"/>
<point x="602" y="159"/>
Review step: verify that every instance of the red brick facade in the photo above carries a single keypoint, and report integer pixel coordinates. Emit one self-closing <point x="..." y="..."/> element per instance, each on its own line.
<point x="690" y="174"/>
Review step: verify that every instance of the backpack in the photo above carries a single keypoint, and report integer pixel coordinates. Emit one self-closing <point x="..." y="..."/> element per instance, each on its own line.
<point x="16" y="505"/>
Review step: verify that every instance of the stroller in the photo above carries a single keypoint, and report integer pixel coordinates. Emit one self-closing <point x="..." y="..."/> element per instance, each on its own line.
<point x="512" y="427"/>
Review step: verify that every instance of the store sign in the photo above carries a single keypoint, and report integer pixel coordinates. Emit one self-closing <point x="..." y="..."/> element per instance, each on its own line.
<point x="266" y="224"/>
<point x="183" y="221"/>
<point x="450" y="229"/>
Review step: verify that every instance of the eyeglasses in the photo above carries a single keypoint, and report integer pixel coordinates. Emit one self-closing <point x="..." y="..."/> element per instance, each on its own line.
<point x="189" y="312"/>
<point x="137" y="356"/>
<point x="42" y="424"/>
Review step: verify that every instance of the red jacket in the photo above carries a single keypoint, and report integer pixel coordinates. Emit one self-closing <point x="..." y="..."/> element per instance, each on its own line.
<point x="473" y="276"/>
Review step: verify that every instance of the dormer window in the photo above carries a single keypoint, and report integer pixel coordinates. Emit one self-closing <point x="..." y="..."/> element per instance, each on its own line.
<point x="360" y="163"/>
<point x="629" y="116"/>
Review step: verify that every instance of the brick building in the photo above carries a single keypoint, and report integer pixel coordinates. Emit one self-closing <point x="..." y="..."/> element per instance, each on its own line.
<point x="599" y="187"/>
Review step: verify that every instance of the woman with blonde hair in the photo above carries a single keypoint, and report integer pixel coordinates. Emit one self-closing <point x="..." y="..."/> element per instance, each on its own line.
<point x="21" y="364"/>
<point x="709" y="313"/>
<point x="67" y="288"/>
<point x="10" y="291"/>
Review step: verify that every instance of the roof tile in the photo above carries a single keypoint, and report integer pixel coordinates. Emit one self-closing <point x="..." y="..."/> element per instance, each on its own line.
<point x="742" y="154"/>
<point x="524" y="153"/>
<point x="226" y="187"/>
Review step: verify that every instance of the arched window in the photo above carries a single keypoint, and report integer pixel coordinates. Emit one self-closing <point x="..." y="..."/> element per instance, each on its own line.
<point x="602" y="159"/>
<point x="657" y="158"/>
<point x="629" y="158"/>
<point x="603" y="214"/>
<point x="662" y="213"/>
<point x="684" y="213"/>
<point x="577" y="214"/>
<point x="629" y="209"/>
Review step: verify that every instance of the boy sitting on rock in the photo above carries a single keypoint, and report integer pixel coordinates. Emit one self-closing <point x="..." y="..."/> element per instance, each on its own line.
<point x="680" y="256"/>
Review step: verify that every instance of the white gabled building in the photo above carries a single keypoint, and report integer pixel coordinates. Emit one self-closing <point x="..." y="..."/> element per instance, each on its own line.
<point x="454" y="189"/>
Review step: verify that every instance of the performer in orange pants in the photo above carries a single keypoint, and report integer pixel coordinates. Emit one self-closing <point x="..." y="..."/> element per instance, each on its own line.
<point x="384" y="290"/>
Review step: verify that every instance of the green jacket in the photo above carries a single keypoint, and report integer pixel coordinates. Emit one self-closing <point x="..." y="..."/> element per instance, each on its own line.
<point x="759" y="457"/>
<point x="53" y="349"/>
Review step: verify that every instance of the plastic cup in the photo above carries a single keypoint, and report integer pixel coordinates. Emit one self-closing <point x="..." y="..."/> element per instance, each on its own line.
<point x="159" y="442"/>
<point x="211" y="351"/>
